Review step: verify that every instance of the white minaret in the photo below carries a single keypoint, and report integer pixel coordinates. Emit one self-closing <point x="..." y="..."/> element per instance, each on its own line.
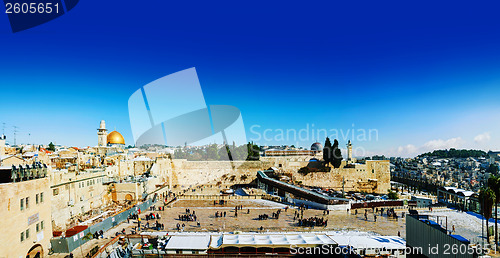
<point x="349" y="152"/>
<point x="102" y="134"/>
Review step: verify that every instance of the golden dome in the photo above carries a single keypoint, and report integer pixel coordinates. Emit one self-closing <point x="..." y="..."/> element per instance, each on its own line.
<point x="115" y="138"/>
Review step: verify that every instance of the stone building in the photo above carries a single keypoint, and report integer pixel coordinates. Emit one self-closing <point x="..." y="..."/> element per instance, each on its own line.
<point x="25" y="211"/>
<point x="74" y="194"/>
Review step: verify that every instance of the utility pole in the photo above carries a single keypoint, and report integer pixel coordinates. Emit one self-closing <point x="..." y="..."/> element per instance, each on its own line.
<point x="343" y="184"/>
<point x="15" y="134"/>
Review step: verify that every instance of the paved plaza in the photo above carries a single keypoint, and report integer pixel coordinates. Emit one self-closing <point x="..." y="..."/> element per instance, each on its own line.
<point x="247" y="218"/>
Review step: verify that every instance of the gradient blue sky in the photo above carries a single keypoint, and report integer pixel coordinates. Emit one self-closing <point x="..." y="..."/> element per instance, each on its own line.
<point x="424" y="74"/>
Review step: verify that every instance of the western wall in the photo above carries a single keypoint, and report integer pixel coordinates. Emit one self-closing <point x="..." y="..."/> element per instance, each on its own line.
<point x="371" y="177"/>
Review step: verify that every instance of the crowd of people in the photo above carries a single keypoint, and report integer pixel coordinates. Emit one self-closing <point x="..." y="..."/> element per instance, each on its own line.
<point x="391" y="213"/>
<point x="263" y="216"/>
<point x="98" y="234"/>
<point x="156" y="226"/>
<point x="133" y="216"/>
<point x="188" y="216"/>
<point x="154" y="208"/>
<point x="220" y="202"/>
<point x="219" y="214"/>
<point x="312" y="222"/>
<point x="152" y="216"/>
<point x="274" y="215"/>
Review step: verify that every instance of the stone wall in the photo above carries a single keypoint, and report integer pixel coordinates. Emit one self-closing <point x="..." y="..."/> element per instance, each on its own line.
<point x="75" y="194"/>
<point x="179" y="174"/>
<point x="191" y="173"/>
<point x="372" y="177"/>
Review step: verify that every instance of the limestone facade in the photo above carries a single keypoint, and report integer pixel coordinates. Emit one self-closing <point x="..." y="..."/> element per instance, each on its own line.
<point x="26" y="215"/>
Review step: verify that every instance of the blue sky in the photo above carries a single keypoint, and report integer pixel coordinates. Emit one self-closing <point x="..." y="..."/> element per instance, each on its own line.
<point x="425" y="75"/>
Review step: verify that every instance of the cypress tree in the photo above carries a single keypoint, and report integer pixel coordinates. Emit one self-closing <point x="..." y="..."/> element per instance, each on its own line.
<point x="327" y="152"/>
<point x="336" y="155"/>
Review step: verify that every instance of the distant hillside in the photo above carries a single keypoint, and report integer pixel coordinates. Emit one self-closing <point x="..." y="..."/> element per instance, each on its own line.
<point x="453" y="153"/>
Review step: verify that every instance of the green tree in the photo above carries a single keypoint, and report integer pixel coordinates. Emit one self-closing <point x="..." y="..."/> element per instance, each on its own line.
<point x="212" y="152"/>
<point x="327" y="152"/>
<point x="392" y="195"/>
<point x="337" y="155"/>
<point x="494" y="185"/>
<point x="454" y="153"/>
<point x="51" y="147"/>
<point x="486" y="199"/>
<point x="493" y="169"/>
<point x="253" y="151"/>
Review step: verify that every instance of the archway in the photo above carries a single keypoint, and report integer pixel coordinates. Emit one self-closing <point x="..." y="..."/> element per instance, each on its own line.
<point x="36" y="251"/>
<point x="129" y="197"/>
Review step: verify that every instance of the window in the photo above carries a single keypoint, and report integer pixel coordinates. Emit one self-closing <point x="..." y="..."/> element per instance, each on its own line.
<point x="22" y="204"/>
<point x="27" y="202"/>
<point x="55" y="191"/>
<point x="22" y="236"/>
<point x="36" y="198"/>
<point x="41" y="225"/>
<point x="37" y="227"/>
<point x="27" y="233"/>
<point x="41" y="197"/>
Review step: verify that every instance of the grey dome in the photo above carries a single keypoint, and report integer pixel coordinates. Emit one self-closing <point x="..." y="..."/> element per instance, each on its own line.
<point x="316" y="146"/>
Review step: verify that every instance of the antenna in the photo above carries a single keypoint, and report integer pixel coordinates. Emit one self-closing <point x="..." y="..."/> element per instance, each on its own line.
<point x="3" y="128"/>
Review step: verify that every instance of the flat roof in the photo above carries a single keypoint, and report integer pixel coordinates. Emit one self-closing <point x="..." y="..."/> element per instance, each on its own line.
<point x="206" y="240"/>
<point x="388" y="242"/>
<point x="191" y="242"/>
<point x="270" y="239"/>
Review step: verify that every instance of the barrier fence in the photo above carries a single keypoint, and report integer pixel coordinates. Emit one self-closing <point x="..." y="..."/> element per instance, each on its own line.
<point x="218" y="197"/>
<point x="376" y="204"/>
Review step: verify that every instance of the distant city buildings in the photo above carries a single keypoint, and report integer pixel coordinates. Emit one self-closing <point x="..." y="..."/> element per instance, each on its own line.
<point x="466" y="173"/>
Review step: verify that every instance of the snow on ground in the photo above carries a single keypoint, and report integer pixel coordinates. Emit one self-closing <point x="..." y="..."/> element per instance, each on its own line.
<point x="466" y="224"/>
<point x="268" y="203"/>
